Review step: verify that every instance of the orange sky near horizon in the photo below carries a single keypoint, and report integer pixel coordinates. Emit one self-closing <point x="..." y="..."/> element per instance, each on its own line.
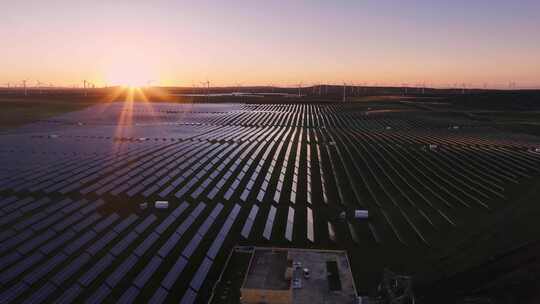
<point x="184" y="43"/>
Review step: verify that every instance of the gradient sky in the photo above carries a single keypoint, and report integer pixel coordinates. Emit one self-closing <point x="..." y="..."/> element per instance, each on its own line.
<point x="441" y="43"/>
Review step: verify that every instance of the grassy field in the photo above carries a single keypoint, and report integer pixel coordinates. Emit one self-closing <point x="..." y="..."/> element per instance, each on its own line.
<point x="15" y="112"/>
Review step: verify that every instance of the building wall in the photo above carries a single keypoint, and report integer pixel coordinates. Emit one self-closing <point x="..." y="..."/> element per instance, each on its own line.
<point x="257" y="296"/>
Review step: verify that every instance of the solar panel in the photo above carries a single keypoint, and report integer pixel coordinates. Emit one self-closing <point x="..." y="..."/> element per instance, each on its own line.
<point x="129" y="296"/>
<point x="180" y="209"/>
<point x="165" y="223"/>
<point x="169" y="245"/>
<point x="147" y="243"/>
<point x="68" y="222"/>
<point x="44" y="269"/>
<point x="101" y="243"/>
<point x="36" y="241"/>
<point x="70" y="294"/>
<point x="9" y="259"/>
<point x="310" y="230"/>
<point x="189" y="297"/>
<point x="86" y="222"/>
<point x="124" y="243"/>
<point x="253" y="212"/>
<point x="192" y="245"/>
<point x="29" y="221"/>
<point x="147" y="272"/>
<point x="70" y="269"/>
<point x="99" y="295"/>
<point x="41" y="294"/>
<point x="174" y="273"/>
<point x="79" y="242"/>
<point x="269" y="223"/>
<point x="216" y="245"/>
<point x="159" y="296"/>
<point x="106" y="222"/>
<point x="235" y="211"/>
<point x="145" y="223"/>
<point x="95" y="270"/>
<point x="120" y="227"/>
<point x="13" y="292"/>
<point x="290" y="223"/>
<point x="215" y="212"/>
<point x="57" y="242"/>
<point x="201" y="273"/>
<point x="114" y="278"/>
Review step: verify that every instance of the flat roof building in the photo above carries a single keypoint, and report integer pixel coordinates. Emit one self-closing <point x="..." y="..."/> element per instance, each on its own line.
<point x="288" y="275"/>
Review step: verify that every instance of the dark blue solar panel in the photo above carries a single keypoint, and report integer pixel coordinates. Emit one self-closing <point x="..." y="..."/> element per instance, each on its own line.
<point x="41" y="294"/>
<point x="201" y="273"/>
<point x="145" y="223"/>
<point x="174" y="273"/>
<point x="95" y="270"/>
<point x="189" y="297"/>
<point x="190" y="248"/>
<point x="169" y="245"/>
<point x="44" y="269"/>
<point x="124" y="243"/>
<point x="51" y="245"/>
<point x="30" y="245"/>
<point x="13" y="292"/>
<point x="147" y="243"/>
<point x="99" y="295"/>
<point x="147" y="272"/>
<point x="70" y="269"/>
<point x="159" y="296"/>
<point x="79" y="242"/>
<point x="120" y="227"/>
<point x="129" y="296"/>
<point x="70" y="294"/>
<point x="9" y="259"/>
<point x="14" y="271"/>
<point x="117" y="275"/>
<point x="87" y="221"/>
<point x="106" y="222"/>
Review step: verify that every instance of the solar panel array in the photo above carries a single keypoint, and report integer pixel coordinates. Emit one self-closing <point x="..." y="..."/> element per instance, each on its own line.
<point x="270" y="174"/>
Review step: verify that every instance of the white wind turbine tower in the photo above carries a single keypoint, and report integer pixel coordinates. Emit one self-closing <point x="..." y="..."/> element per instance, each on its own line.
<point x="84" y="87"/>
<point x="344" y="91"/>
<point x="39" y="86"/>
<point x="24" y="86"/>
<point x="207" y="85"/>
<point x="238" y="87"/>
<point x="405" y="87"/>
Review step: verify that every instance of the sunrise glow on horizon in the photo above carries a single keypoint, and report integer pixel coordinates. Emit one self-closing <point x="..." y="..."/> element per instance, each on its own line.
<point x="183" y="43"/>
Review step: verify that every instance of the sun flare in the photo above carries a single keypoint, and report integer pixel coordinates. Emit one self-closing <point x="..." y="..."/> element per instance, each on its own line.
<point x="131" y="75"/>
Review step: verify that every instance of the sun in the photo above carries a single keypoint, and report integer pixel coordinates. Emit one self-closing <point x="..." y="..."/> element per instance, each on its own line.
<point x="132" y="75"/>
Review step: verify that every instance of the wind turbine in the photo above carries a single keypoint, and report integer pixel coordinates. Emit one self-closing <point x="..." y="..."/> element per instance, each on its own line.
<point x="344" y="92"/>
<point x="299" y="89"/>
<point x="39" y="86"/>
<point x="84" y="87"/>
<point x="207" y="84"/>
<point x="24" y="86"/>
<point x="405" y="87"/>
<point x="239" y="87"/>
